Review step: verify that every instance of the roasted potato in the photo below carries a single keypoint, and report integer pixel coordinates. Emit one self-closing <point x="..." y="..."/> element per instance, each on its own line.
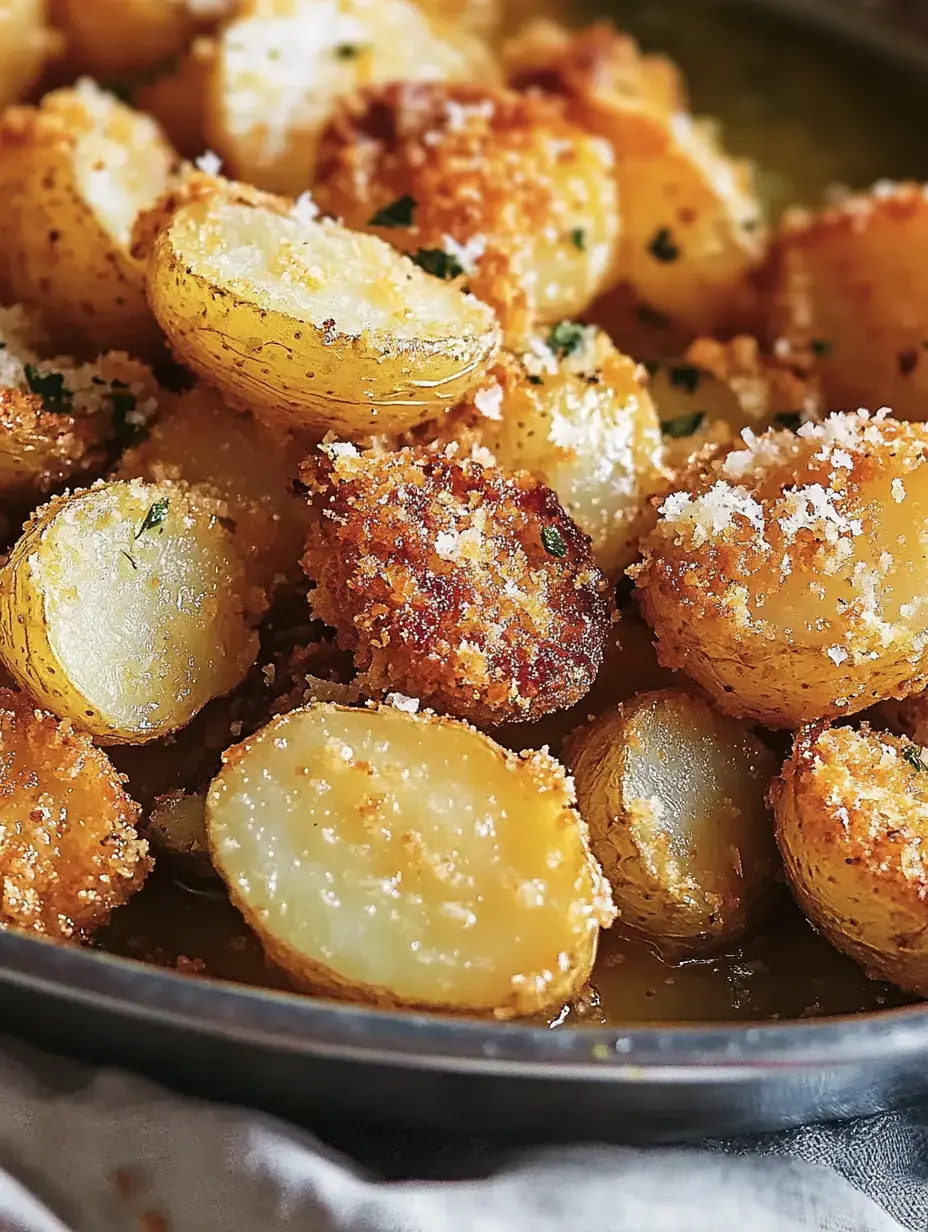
<point x="307" y="324"/>
<point x="718" y="389"/>
<point x="693" y="236"/>
<point x="481" y="17"/>
<point x="789" y="578"/>
<point x="454" y="582"/>
<point x="851" y="809"/>
<point x="674" y="796"/>
<point x="280" y="68"/>
<point x="125" y="608"/>
<point x="74" y="173"/>
<point x="200" y="441"/>
<point x="60" y="419"/>
<point x="577" y="415"/>
<point x="70" y="852"/>
<point x="484" y="185"/>
<point x="176" y="828"/>
<point x="177" y="97"/>
<point x="847" y="289"/>
<point x="407" y="860"/>
<point x="26" y="43"/>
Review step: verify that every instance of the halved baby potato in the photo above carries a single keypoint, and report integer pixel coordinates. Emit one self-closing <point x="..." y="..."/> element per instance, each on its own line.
<point x="308" y="324"/>
<point x="125" y="608"/>
<point x="407" y="860"/>
<point x="674" y="795"/>
<point x="26" y="42"/>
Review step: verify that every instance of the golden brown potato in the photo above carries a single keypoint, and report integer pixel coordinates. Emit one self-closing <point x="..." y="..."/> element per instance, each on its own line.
<point x="177" y="97"/>
<point x="26" y="43"/>
<point x="483" y="185"/>
<point x="693" y="236"/>
<point x="674" y="796"/>
<point x="478" y="16"/>
<point x="789" y="580"/>
<point x="577" y="415"/>
<point x="305" y="323"/>
<point x="74" y="173"/>
<point x="454" y="582"/>
<point x="200" y="441"/>
<point x="848" y="287"/>
<point x="69" y="852"/>
<point x="407" y="860"/>
<point x="125" y="608"/>
<point x="851" y="812"/>
<point x="280" y="68"/>
<point x="718" y="389"/>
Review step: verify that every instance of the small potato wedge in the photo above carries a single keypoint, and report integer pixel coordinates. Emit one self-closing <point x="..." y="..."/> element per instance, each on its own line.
<point x="125" y="608"/>
<point x="846" y="288"/>
<point x="851" y="809"/>
<point x="407" y="860"/>
<point x="674" y="796"/>
<point x="495" y="187"/>
<point x="26" y="42"/>
<point x="70" y="851"/>
<point x="797" y="559"/>
<point x="281" y="66"/>
<point x="201" y="442"/>
<point x="74" y="173"/>
<point x="309" y="325"/>
<point x="693" y="236"/>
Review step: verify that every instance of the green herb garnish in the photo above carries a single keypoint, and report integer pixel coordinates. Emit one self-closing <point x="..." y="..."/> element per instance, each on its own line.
<point x="578" y="239"/>
<point x="124" y="402"/>
<point x="913" y="755"/>
<point x="156" y="515"/>
<point x="398" y="213"/>
<point x="435" y="261"/>
<point x="121" y="90"/>
<point x="821" y="347"/>
<point x="788" y="419"/>
<point x="662" y="247"/>
<point x="552" y="542"/>
<point x="684" y="376"/>
<point x="50" y="387"/>
<point x="683" y="426"/>
<point x="347" y="51"/>
<point x="535" y="380"/>
<point x="123" y="552"/>
<point x="566" y="338"/>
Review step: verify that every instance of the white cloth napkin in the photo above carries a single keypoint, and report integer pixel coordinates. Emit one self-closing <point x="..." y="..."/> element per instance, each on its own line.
<point x="84" y="1150"/>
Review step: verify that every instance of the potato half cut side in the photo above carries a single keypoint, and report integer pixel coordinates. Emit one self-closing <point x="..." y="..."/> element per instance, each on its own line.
<point x="125" y="609"/>
<point x="673" y="793"/>
<point x="404" y="859"/>
<point x="311" y="325"/>
<point x="70" y="852"/>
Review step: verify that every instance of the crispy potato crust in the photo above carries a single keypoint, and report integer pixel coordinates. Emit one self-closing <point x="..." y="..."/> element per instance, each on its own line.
<point x="788" y="579"/>
<point x="851" y="812"/>
<point x="434" y="570"/>
<point x="69" y="852"/>
<point x="523" y="200"/>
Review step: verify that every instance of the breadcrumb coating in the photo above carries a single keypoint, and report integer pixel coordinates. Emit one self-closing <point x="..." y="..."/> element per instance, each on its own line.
<point x="69" y="851"/>
<point x="455" y="582"/>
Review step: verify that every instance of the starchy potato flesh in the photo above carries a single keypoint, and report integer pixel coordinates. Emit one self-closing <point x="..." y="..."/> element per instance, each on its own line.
<point x="403" y="859"/>
<point x="852" y="825"/>
<point x="309" y="325"/>
<point x="798" y="559"/>
<point x="25" y="44"/>
<point x="70" y="852"/>
<point x="125" y="608"/>
<point x="520" y="200"/>
<point x="673" y="793"/>
<point x="846" y="288"/>
<point x="280" y="69"/>
<point x="74" y="173"/>
<point x="584" y="424"/>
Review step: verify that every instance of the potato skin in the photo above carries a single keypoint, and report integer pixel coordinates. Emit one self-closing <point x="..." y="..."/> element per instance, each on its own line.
<point x="525" y="199"/>
<point x="70" y="853"/>
<point x="434" y="571"/>
<point x="26" y="43"/>
<point x="850" y="810"/>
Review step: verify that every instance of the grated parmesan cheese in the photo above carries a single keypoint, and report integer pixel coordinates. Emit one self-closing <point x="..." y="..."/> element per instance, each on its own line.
<point x="209" y="163"/>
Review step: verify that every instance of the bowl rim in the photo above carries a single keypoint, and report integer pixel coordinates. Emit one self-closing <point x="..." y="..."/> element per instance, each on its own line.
<point x="297" y="1024"/>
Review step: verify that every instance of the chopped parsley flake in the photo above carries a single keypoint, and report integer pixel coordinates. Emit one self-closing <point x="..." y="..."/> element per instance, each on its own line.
<point x="347" y="51"/>
<point x="435" y="261"/>
<point x="121" y="90"/>
<point x="124" y="402"/>
<point x="566" y="338"/>
<point x="398" y="213"/>
<point x="788" y="419"/>
<point x="685" y="376"/>
<point x="913" y="755"/>
<point x="683" y="426"/>
<point x="123" y="552"/>
<point x="552" y="542"/>
<point x="662" y="247"/>
<point x="50" y="387"/>
<point x="821" y="347"/>
<point x="578" y="239"/>
<point x="156" y="515"/>
<point x="535" y="380"/>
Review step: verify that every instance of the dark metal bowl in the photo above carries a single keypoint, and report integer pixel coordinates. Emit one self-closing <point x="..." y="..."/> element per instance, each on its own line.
<point x="309" y="1058"/>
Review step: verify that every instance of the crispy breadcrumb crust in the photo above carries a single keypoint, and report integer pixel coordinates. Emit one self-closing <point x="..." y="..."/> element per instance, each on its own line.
<point x="852" y="825"/>
<point x="433" y="569"/>
<point x="69" y="851"/>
